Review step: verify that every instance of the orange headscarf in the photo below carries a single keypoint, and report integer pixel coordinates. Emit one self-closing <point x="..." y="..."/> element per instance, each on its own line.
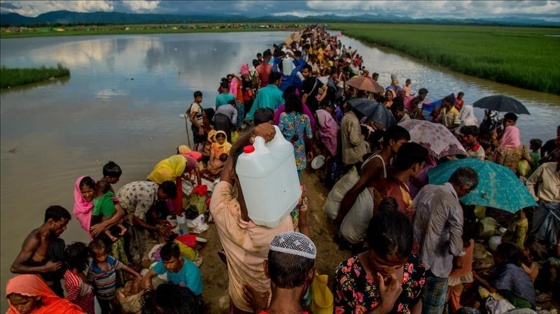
<point x="33" y="286"/>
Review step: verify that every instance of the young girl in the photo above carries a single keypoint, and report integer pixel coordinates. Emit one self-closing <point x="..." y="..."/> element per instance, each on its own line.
<point x="78" y="291"/>
<point x="103" y="275"/>
<point x="462" y="271"/>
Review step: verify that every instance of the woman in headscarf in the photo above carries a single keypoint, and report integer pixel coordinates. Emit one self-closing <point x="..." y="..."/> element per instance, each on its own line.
<point x="511" y="151"/>
<point x="28" y="294"/>
<point x="219" y="148"/>
<point x="328" y="130"/>
<point x="467" y="117"/>
<point x="389" y="96"/>
<point x="84" y="192"/>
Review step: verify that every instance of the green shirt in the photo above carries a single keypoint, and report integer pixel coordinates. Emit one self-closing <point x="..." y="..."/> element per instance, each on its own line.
<point x="104" y="205"/>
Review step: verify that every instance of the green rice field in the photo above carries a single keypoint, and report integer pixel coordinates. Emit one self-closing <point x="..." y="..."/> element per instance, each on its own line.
<point x="518" y="56"/>
<point x="11" y="77"/>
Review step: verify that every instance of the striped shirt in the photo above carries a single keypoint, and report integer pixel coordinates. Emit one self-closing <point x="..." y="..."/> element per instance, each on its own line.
<point x="105" y="280"/>
<point x="79" y="292"/>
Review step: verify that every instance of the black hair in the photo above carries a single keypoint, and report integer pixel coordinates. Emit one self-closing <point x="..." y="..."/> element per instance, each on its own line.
<point x="169" y="298"/>
<point x="307" y="67"/>
<point x="274" y="76"/>
<point x="56" y="213"/>
<point x="297" y="53"/>
<point x="169" y="250"/>
<point x="76" y="256"/>
<point x="450" y="99"/>
<point x="460" y="94"/>
<point x="293" y="103"/>
<point x="375" y="74"/>
<point x="223" y="157"/>
<point x="288" y="91"/>
<point x="87" y="181"/>
<point x="288" y="270"/>
<point x="255" y="62"/>
<point x="232" y="102"/>
<point x="224" y="85"/>
<point x="395" y="133"/>
<point x="423" y="91"/>
<point x="96" y="246"/>
<point x="220" y="135"/>
<point x="102" y="186"/>
<point x="197" y="94"/>
<point x="387" y="203"/>
<point x="398" y="104"/>
<point x="510" y="253"/>
<point x="410" y="154"/>
<point x="263" y="115"/>
<point x="464" y="175"/>
<point x="536" y="143"/>
<point x="510" y="116"/>
<point x="267" y="53"/>
<point x="470" y="130"/>
<point x="112" y="170"/>
<point x="390" y="232"/>
<point x="169" y="188"/>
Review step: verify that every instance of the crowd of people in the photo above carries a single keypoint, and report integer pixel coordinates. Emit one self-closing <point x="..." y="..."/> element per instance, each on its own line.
<point x="414" y="245"/>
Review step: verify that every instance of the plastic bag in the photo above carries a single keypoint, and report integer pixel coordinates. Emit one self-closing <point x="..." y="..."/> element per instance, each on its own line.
<point x="322" y="299"/>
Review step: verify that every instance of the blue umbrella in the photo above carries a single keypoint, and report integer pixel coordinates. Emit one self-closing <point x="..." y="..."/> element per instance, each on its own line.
<point x="374" y="111"/>
<point x="498" y="186"/>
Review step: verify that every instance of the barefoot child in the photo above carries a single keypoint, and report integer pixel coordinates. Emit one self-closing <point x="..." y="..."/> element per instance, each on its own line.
<point x="104" y="208"/>
<point x="103" y="275"/>
<point x="112" y="174"/>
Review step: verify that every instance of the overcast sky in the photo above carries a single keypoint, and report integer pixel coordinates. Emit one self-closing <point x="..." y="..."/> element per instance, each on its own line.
<point x="547" y="9"/>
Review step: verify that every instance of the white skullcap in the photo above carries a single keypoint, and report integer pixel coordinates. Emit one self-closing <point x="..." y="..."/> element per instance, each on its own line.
<point x="294" y="243"/>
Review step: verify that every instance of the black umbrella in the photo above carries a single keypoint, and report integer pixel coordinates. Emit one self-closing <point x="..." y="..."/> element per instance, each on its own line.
<point x="501" y="103"/>
<point x="374" y="111"/>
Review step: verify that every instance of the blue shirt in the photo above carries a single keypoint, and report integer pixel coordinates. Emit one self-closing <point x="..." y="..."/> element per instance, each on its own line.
<point x="223" y="99"/>
<point x="269" y="96"/>
<point x="105" y="280"/>
<point x="188" y="276"/>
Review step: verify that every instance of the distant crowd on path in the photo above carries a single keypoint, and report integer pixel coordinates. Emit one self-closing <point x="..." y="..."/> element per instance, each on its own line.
<point x="413" y="244"/>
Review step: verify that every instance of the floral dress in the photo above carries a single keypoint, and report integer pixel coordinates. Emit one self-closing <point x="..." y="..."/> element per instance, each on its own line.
<point x="292" y="123"/>
<point x="354" y="291"/>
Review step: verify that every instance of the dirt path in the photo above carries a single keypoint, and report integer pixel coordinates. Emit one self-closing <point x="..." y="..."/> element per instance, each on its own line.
<point x="214" y="272"/>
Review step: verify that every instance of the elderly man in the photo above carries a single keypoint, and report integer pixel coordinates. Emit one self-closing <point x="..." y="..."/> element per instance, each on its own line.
<point x="246" y="244"/>
<point x="438" y="228"/>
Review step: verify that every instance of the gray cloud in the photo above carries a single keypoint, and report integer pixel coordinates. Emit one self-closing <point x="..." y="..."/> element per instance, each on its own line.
<point x="251" y="8"/>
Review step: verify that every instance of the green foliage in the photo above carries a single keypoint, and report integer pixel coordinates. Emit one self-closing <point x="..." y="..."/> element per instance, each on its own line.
<point x="10" y="77"/>
<point x="518" y="56"/>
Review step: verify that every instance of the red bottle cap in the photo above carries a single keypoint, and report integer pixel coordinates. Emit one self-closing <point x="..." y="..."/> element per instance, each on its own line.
<point x="248" y="149"/>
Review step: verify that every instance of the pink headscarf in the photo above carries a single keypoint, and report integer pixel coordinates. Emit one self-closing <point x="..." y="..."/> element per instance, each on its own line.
<point x="511" y="137"/>
<point x="82" y="208"/>
<point x="328" y="130"/>
<point x="244" y="69"/>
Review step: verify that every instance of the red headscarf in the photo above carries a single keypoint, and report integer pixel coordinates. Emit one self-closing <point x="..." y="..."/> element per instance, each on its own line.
<point x="33" y="286"/>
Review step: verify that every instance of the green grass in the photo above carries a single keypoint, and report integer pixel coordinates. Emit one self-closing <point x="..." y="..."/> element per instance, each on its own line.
<point x="518" y="56"/>
<point x="11" y="77"/>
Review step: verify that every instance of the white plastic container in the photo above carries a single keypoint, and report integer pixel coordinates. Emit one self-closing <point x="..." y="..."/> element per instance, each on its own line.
<point x="269" y="180"/>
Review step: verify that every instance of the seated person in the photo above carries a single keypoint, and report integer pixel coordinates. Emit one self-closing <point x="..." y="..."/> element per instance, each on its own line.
<point x="508" y="279"/>
<point x="220" y="147"/>
<point x="104" y="209"/>
<point x="178" y="269"/>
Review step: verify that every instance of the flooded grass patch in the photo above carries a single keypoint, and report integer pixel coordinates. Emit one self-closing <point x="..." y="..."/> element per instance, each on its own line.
<point x="11" y="77"/>
<point x="518" y="56"/>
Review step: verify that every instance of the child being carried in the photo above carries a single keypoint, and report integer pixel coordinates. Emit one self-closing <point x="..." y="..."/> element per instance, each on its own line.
<point x="104" y="209"/>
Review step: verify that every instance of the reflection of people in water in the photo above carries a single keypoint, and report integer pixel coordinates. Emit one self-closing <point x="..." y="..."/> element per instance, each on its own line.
<point x="43" y="250"/>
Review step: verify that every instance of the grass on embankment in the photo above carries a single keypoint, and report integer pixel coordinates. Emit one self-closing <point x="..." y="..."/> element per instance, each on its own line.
<point x="518" y="56"/>
<point x="11" y="77"/>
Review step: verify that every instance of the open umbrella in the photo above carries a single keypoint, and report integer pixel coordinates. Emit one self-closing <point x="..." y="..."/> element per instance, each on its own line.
<point x="501" y="103"/>
<point x="365" y="83"/>
<point x="435" y="137"/>
<point x="498" y="186"/>
<point x="374" y="111"/>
